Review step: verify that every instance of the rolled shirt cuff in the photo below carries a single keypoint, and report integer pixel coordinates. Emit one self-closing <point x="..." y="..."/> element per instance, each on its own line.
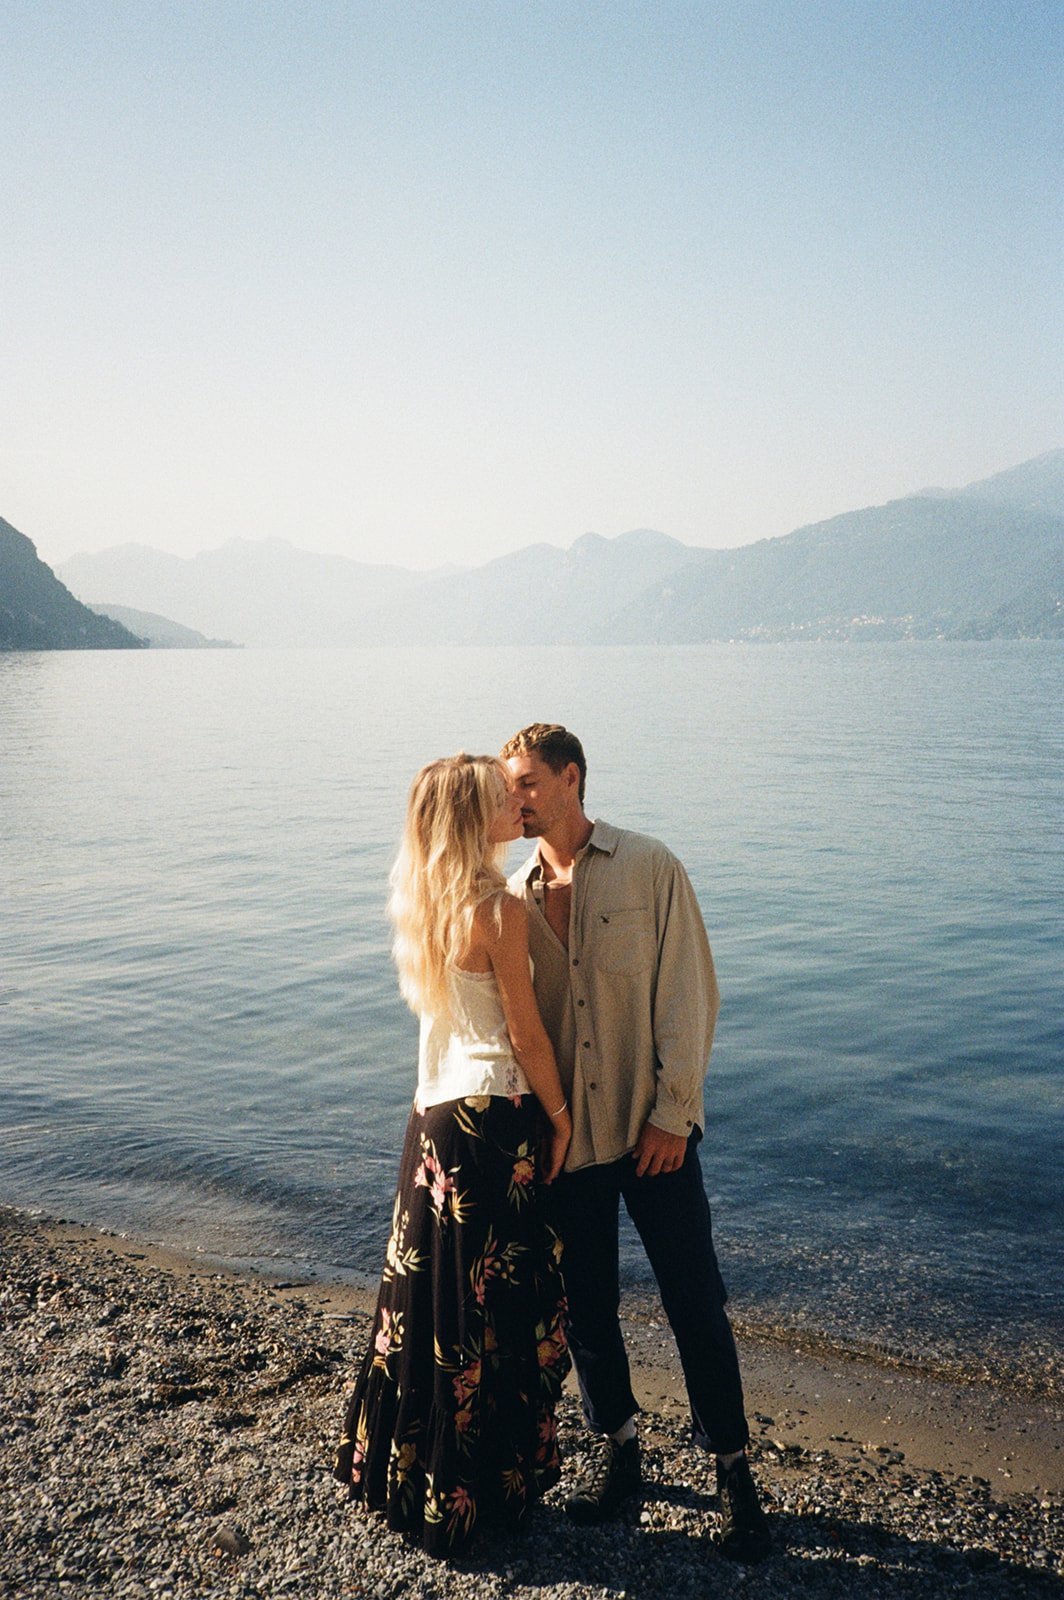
<point x="677" y="1119"/>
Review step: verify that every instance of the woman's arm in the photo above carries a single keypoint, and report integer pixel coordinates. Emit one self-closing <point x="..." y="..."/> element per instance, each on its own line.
<point x="506" y="945"/>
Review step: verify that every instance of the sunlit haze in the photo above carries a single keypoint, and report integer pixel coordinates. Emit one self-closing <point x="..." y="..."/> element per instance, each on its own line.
<point x="423" y="284"/>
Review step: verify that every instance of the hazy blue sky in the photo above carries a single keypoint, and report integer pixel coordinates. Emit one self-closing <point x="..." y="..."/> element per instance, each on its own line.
<point x="426" y="282"/>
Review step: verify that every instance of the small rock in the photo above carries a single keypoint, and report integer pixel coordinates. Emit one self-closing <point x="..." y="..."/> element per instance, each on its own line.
<point x="228" y="1540"/>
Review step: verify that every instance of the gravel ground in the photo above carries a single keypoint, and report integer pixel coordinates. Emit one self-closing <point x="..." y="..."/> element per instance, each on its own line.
<point x="169" y="1433"/>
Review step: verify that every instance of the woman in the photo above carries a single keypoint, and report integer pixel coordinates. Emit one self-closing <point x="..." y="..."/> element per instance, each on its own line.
<point x="452" y="1418"/>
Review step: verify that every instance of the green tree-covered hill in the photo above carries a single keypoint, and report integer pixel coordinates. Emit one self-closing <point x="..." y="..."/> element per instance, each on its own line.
<point x="37" y="612"/>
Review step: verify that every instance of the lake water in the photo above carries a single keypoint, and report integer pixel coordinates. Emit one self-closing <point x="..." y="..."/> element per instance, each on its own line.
<point x="201" y="1040"/>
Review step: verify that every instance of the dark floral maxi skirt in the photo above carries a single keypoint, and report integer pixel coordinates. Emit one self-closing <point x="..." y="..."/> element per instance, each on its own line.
<point x="451" y="1423"/>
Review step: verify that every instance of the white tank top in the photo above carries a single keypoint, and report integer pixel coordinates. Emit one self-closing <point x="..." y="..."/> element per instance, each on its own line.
<point x="468" y="1052"/>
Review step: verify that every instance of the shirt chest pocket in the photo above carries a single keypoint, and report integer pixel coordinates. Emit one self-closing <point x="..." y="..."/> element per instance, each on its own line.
<point x="623" y="940"/>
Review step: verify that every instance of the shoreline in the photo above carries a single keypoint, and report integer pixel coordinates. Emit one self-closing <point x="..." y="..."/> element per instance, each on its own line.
<point x="1020" y="1373"/>
<point x="952" y="1419"/>
<point x="161" y="1408"/>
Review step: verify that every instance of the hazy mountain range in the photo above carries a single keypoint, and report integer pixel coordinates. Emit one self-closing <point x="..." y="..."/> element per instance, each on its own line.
<point x="160" y="633"/>
<point x="983" y="561"/>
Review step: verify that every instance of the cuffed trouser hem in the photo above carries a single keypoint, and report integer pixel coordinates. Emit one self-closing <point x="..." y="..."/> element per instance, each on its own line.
<point x="702" y="1441"/>
<point x="605" y="1395"/>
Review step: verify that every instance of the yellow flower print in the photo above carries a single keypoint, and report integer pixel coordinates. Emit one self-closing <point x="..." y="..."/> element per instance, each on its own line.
<point x="403" y="1457"/>
<point x="399" y="1261"/>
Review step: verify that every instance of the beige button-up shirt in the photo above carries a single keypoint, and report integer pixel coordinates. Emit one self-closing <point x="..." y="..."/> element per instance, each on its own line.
<point x="631" y="1006"/>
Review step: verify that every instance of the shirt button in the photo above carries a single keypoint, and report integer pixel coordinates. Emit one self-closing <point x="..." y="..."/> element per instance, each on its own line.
<point x="576" y="961"/>
<point x="592" y="1085"/>
<point x="587" y="1044"/>
<point x="579" y="1002"/>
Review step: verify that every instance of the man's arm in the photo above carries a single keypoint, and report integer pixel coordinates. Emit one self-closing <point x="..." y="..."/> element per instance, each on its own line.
<point x="686" y="1002"/>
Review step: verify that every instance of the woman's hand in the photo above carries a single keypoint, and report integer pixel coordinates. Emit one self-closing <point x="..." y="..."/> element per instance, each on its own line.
<point x="506" y="943"/>
<point x="555" y="1145"/>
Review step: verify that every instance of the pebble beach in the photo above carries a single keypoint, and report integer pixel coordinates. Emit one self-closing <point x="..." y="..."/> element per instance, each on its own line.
<point x="167" y="1428"/>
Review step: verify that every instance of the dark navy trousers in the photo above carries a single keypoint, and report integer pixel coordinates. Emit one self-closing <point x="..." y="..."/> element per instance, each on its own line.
<point x="671" y="1215"/>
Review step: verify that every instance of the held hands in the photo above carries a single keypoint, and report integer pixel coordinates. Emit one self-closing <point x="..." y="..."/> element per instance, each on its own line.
<point x="657" y="1151"/>
<point x="554" y="1146"/>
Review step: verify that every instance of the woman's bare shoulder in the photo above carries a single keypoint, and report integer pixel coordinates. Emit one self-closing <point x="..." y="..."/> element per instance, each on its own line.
<point x="500" y="918"/>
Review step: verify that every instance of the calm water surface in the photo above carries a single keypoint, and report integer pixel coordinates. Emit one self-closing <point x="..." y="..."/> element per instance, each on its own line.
<point x="201" y="1039"/>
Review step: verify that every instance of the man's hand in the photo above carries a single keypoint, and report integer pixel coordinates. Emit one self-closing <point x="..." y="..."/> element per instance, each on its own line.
<point x="657" y="1151"/>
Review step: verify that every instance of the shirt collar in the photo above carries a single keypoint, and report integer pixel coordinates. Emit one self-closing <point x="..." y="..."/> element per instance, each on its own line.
<point x="604" y="837"/>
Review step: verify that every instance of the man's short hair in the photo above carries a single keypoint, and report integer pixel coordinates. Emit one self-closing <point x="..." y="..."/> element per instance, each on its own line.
<point x="551" y="743"/>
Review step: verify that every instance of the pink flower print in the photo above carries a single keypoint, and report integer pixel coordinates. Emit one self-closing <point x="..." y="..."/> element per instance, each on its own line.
<point x="389" y="1337"/>
<point x="431" y="1176"/>
<point x="425" y="1173"/>
<point x="467" y="1380"/>
<point x="552" y="1347"/>
<point x="524" y="1170"/>
<point x="489" y="1266"/>
<point x="547" y="1443"/>
<point x="462" y="1507"/>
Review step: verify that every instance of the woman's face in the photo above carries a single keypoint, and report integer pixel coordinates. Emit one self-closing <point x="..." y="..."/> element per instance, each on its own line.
<point x="506" y="823"/>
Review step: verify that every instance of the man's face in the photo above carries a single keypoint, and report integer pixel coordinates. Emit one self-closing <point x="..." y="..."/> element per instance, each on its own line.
<point x="545" y="796"/>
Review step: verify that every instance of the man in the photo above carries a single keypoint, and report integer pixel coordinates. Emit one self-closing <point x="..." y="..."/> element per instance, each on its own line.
<point x="625" y="982"/>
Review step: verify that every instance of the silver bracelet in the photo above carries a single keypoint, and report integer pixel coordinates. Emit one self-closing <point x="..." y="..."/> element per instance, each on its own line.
<point x="563" y="1107"/>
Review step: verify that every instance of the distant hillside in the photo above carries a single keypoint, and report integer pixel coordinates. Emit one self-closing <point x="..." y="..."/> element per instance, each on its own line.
<point x="37" y="612"/>
<point x="918" y="568"/>
<point x="271" y="593"/>
<point x="160" y="632"/>
<point x="262" y="592"/>
<point x="538" y="595"/>
<point x="985" y="561"/>
<point x="1036" y="485"/>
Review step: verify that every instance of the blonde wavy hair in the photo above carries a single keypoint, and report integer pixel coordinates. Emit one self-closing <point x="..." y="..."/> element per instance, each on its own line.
<point x="445" y="868"/>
